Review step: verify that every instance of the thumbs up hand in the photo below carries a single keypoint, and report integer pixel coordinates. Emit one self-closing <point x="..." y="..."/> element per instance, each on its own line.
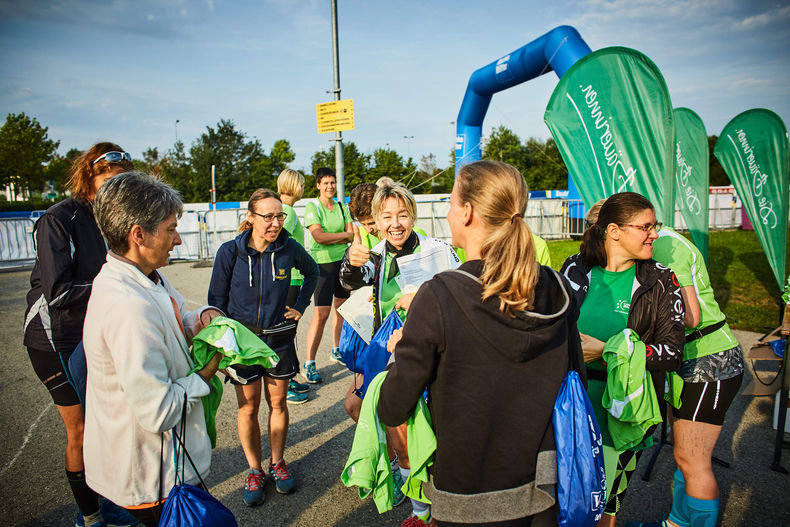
<point x="358" y="254"/>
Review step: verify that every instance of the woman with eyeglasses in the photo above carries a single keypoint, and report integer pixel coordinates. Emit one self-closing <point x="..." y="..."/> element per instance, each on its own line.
<point x="619" y="286"/>
<point x="250" y="282"/>
<point x="70" y="251"/>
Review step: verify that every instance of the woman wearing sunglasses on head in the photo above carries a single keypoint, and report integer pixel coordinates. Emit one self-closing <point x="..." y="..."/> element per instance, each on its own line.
<point x="70" y="251"/>
<point x="619" y="286"/>
<point x="250" y="282"/>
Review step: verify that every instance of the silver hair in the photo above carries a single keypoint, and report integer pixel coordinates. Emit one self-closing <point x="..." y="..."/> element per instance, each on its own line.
<point x="133" y="198"/>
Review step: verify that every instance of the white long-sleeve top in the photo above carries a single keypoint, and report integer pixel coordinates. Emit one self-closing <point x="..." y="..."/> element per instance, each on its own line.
<point x="138" y="372"/>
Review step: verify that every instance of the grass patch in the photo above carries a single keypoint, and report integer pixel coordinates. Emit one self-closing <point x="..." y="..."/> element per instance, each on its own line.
<point x="742" y="280"/>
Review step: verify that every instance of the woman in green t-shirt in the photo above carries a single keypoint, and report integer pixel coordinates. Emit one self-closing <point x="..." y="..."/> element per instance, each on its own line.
<point x="290" y="186"/>
<point x="618" y="286"/>
<point x="329" y="223"/>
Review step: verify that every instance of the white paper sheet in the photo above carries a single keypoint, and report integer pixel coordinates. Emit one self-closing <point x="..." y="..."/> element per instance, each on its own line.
<point x="420" y="267"/>
<point x="358" y="312"/>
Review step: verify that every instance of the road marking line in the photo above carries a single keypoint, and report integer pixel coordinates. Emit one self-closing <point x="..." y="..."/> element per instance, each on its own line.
<point x="26" y="438"/>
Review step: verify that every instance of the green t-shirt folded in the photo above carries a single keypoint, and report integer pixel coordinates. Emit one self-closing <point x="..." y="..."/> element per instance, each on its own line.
<point x="239" y="345"/>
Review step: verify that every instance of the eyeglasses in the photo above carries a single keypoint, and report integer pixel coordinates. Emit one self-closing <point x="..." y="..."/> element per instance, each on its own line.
<point x="647" y="227"/>
<point x="268" y="218"/>
<point x="113" y="157"/>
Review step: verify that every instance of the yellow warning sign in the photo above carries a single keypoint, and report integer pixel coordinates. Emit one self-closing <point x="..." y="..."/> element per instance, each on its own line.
<point x="335" y="116"/>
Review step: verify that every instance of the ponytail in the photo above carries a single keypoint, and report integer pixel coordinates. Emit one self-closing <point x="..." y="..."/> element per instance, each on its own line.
<point x="510" y="268"/>
<point x="592" y="248"/>
<point x="619" y="209"/>
<point x="259" y="194"/>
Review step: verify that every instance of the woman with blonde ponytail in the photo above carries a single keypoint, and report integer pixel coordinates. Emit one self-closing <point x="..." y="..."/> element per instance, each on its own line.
<point x="491" y="342"/>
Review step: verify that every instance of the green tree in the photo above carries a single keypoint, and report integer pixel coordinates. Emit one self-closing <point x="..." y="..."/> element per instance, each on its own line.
<point x="387" y="162"/>
<point x="235" y="158"/>
<point x="177" y="171"/>
<point x="546" y="169"/>
<point x="57" y="170"/>
<point x="355" y="167"/>
<point x="151" y="162"/>
<point x="266" y="170"/>
<point x="25" y="149"/>
<point x="718" y="177"/>
<point x="504" y="145"/>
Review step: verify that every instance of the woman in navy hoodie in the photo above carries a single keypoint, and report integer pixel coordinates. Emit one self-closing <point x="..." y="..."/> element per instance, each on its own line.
<point x="250" y="282"/>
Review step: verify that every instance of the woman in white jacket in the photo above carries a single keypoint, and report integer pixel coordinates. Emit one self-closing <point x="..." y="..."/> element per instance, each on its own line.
<point x="136" y="337"/>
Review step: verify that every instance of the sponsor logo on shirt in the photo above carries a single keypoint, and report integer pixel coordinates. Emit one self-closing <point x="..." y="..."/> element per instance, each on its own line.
<point x="623" y="307"/>
<point x="281" y="274"/>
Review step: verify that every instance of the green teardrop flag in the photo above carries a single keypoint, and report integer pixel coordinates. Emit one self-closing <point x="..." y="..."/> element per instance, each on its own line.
<point x="753" y="150"/>
<point x="692" y="167"/>
<point x="612" y="120"/>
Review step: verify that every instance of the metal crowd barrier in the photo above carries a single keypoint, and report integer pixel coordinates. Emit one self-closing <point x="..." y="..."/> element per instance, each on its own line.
<point x="203" y="231"/>
<point x="16" y="243"/>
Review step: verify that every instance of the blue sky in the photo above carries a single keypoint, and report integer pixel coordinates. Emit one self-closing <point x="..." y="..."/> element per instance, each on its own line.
<point x="126" y="71"/>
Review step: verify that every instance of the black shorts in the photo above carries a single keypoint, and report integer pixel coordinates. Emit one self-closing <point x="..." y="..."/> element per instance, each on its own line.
<point x="707" y="402"/>
<point x="287" y="368"/>
<point x="52" y="368"/>
<point x="328" y="285"/>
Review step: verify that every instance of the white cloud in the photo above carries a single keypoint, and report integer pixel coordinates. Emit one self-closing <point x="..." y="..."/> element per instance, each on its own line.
<point x="779" y="16"/>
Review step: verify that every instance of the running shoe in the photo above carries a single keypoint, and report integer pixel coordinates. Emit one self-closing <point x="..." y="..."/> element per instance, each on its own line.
<point x="296" y="397"/>
<point x="80" y="522"/>
<point x="253" y="489"/>
<point x="283" y="481"/>
<point x="297" y="387"/>
<point x="114" y="516"/>
<point x="414" y="521"/>
<point x="397" y="494"/>
<point x="311" y="374"/>
<point x="336" y="356"/>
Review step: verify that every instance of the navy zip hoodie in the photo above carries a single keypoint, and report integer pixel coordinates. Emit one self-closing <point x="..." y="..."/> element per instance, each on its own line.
<point x="252" y="286"/>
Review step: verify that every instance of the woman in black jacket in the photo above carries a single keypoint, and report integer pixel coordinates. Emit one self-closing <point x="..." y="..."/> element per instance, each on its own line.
<point x="70" y="251"/>
<point x="619" y="286"/>
<point x="501" y="316"/>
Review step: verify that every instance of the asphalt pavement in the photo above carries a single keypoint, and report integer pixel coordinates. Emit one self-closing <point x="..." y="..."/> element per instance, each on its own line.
<point x="34" y="491"/>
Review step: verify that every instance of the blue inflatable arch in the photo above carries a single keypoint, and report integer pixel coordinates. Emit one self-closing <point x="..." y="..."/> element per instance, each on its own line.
<point x="557" y="50"/>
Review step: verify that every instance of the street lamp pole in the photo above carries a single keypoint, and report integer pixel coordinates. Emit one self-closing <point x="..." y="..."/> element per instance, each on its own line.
<point x="176" y="127"/>
<point x="339" y="166"/>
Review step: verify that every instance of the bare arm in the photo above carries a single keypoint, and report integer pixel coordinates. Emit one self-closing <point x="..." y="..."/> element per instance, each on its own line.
<point x="330" y="238"/>
<point x="693" y="315"/>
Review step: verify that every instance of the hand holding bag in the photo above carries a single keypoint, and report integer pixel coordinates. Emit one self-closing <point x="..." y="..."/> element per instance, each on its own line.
<point x="376" y="354"/>
<point x="188" y="505"/>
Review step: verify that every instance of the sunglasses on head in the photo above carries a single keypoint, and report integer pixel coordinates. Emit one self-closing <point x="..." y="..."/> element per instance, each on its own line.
<point x="113" y="157"/>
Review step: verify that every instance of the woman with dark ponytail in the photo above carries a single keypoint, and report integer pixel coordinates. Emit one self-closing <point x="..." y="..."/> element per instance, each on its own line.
<point x="619" y="286"/>
<point x="500" y="316"/>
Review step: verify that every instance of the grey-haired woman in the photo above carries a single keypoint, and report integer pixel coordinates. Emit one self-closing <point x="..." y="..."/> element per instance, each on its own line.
<point x="137" y="336"/>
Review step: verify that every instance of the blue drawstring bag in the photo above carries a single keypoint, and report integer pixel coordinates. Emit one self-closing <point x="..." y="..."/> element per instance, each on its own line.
<point x="778" y="346"/>
<point x="376" y="355"/>
<point x="352" y="348"/>
<point x="581" y="477"/>
<point x="188" y="505"/>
